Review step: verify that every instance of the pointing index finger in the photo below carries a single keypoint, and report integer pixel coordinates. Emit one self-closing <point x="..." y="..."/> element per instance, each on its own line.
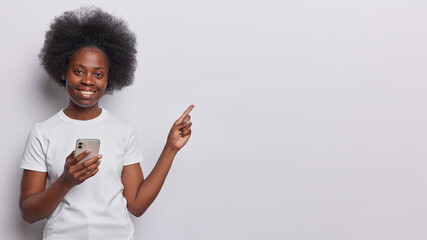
<point x="185" y="113"/>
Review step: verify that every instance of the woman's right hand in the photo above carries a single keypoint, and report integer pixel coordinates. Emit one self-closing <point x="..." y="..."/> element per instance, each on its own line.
<point x="38" y="202"/>
<point x="75" y="173"/>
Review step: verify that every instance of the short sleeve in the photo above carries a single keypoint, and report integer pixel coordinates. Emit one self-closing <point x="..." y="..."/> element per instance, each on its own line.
<point x="34" y="154"/>
<point x="133" y="152"/>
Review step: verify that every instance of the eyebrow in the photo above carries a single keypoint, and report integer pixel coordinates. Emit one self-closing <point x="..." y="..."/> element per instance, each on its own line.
<point x="83" y="66"/>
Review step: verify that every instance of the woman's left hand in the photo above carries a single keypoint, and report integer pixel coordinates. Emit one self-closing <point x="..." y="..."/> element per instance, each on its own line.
<point x="181" y="130"/>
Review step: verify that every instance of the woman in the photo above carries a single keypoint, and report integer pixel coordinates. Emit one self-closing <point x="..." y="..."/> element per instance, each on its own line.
<point x="90" y="53"/>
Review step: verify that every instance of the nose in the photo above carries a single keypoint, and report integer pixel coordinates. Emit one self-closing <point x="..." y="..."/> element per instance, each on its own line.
<point x="87" y="80"/>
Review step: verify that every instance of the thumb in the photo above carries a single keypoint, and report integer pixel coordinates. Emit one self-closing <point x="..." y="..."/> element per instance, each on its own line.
<point x="184" y="124"/>
<point x="70" y="157"/>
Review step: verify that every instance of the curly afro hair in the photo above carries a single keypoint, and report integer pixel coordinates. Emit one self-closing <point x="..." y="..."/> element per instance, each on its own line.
<point x="90" y="27"/>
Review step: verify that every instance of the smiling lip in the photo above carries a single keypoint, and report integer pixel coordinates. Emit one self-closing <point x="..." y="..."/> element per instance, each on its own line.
<point x="87" y="94"/>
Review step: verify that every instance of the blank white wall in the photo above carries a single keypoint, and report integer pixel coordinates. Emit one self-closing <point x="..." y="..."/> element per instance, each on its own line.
<point x="309" y="119"/>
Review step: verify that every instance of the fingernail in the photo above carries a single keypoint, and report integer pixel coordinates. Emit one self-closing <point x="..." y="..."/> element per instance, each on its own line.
<point x="99" y="155"/>
<point x="88" y="150"/>
<point x="187" y="122"/>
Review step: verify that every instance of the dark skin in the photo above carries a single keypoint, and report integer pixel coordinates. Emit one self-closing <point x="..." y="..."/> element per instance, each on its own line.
<point x="86" y="80"/>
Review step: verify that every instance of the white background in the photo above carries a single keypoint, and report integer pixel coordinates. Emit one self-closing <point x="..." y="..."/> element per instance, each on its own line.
<point x="309" y="120"/>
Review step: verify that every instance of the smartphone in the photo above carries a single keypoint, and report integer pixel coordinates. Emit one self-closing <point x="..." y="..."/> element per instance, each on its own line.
<point x="83" y="143"/>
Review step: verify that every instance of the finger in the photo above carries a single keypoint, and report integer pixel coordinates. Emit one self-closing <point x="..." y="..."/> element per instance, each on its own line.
<point x="186" y="132"/>
<point x="187" y="118"/>
<point x="89" y="162"/>
<point x="185" y="128"/>
<point x="70" y="159"/>
<point x="82" y="155"/>
<point x="88" y="175"/>
<point x="92" y="160"/>
<point x="87" y="170"/>
<point x="181" y="119"/>
<point x="184" y="125"/>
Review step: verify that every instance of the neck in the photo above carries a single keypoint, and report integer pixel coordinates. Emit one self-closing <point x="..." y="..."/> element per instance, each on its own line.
<point x="82" y="113"/>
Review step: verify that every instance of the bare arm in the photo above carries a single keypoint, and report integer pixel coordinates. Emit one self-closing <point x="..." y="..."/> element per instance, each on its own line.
<point x="37" y="203"/>
<point x="140" y="193"/>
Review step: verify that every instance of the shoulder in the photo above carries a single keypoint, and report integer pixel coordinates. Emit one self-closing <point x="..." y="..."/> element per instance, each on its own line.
<point x="117" y="123"/>
<point x="38" y="137"/>
<point x="46" y="126"/>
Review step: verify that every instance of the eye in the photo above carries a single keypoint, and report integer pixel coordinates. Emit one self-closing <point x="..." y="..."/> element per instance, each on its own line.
<point x="78" y="71"/>
<point x="99" y="75"/>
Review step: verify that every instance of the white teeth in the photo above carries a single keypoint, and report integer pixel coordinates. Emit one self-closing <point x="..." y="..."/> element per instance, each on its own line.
<point x="86" y="92"/>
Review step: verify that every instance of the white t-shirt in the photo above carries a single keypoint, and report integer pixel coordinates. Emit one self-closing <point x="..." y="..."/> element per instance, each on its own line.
<point x="95" y="209"/>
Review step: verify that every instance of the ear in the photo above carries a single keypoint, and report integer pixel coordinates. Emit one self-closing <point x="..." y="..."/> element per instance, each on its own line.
<point x="63" y="77"/>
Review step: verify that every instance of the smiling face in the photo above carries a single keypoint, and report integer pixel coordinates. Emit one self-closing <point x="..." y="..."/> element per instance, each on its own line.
<point x="86" y="77"/>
